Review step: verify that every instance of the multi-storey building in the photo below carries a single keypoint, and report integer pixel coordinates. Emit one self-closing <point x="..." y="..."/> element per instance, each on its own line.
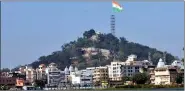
<point x="115" y="70"/>
<point x="100" y="75"/>
<point x="7" y="80"/>
<point x="82" y="77"/>
<point x="41" y="72"/>
<point x="30" y="74"/>
<point x="55" y="77"/>
<point x="131" y="66"/>
<point x="151" y="74"/>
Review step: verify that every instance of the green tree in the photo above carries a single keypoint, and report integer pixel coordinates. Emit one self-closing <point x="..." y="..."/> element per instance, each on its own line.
<point x="5" y="70"/>
<point x="81" y="65"/>
<point x="90" y="33"/>
<point x="182" y="60"/>
<point x="119" y="46"/>
<point x="140" y="78"/>
<point x="179" y="79"/>
<point x="40" y="83"/>
<point x="126" y="78"/>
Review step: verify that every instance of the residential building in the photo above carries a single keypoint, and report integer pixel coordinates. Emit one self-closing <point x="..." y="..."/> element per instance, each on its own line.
<point x="55" y="77"/>
<point x="115" y="70"/>
<point x="20" y="82"/>
<point x="151" y="74"/>
<point x="4" y="74"/>
<point x="100" y="75"/>
<point x="30" y="74"/>
<point x="131" y="66"/>
<point x="86" y="80"/>
<point x="41" y="72"/>
<point x="75" y="78"/>
<point x="82" y="77"/>
<point x="8" y="81"/>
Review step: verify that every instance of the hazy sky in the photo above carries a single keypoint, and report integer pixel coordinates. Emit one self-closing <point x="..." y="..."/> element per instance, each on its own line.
<point x="32" y="29"/>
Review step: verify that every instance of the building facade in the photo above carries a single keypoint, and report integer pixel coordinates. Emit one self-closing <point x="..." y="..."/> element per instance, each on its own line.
<point x="41" y="72"/>
<point x="100" y="75"/>
<point x="165" y="74"/>
<point x="30" y="74"/>
<point x="82" y="77"/>
<point x="131" y="66"/>
<point x="55" y="77"/>
<point x="115" y="70"/>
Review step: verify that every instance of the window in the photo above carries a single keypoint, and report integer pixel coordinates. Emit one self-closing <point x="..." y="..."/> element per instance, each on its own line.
<point x="136" y="67"/>
<point x="85" y="79"/>
<point x="114" y="68"/>
<point x="136" y="70"/>
<point x="128" y="74"/>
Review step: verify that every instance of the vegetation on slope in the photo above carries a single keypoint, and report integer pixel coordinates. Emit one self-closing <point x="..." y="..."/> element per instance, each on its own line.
<point x="120" y="46"/>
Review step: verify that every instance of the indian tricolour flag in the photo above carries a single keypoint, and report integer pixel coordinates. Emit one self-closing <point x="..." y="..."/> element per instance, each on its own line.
<point x="116" y="7"/>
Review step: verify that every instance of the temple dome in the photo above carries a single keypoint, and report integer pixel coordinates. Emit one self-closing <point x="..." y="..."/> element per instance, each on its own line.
<point x="161" y="63"/>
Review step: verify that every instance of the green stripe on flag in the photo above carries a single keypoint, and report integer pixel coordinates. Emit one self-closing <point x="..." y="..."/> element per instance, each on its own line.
<point x="116" y="9"/>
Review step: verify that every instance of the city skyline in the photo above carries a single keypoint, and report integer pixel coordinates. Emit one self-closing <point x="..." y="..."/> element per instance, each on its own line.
<point x="34" y="29"/>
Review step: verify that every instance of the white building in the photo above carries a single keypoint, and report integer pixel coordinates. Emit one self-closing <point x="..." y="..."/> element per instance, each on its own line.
<point x="178" y="64"/>
<point x="115" y="71"/>
<point x="81" y="77"/>
<point x="131" y="66"/>
<point x="94" y="51"/>
<point x="166" y="74"/>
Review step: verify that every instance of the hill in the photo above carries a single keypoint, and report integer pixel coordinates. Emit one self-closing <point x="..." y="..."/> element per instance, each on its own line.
<point x="72" y="52"/>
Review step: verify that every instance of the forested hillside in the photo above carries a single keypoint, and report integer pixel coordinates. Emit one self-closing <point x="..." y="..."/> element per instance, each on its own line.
<point x="71" y="51"/>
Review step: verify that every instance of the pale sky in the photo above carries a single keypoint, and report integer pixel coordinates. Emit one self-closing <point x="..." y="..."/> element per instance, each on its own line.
<point x="32" y="29"/>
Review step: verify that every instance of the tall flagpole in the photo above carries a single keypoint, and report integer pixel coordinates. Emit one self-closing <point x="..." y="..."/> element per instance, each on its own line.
<point x="112" y="26"/>
<point x="112" y="17"/>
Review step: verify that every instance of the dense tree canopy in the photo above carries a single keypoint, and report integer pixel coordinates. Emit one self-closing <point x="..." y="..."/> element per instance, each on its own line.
<point x="5" y="70"/>
<point x="40" y="83"/>
<point x="119" y="46"/>
<point x="140" y="78"/>
<point x="179" y="79"/>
